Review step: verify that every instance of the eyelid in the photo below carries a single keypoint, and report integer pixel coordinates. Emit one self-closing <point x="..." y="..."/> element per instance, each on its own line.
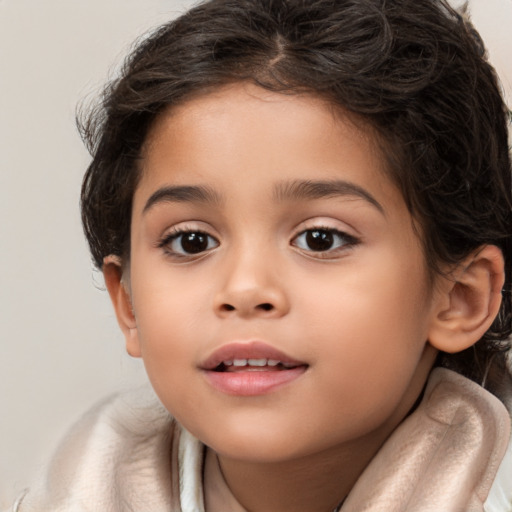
<point x="327" y="225"/>
<point x="187" y="227"/>
<point x="174" y="232"/>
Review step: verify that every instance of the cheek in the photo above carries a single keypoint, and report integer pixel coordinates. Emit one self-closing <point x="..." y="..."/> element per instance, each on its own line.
<point x="167" y="301"/>
<point x="373" y="324"/>
<point x="167" y="314"/>
<point x="381" y="299"/>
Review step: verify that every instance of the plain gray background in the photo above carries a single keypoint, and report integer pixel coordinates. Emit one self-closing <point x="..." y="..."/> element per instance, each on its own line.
<point x="61" y="349"/>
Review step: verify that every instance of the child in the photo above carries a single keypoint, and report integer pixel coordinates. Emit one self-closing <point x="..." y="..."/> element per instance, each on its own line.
<point x="303" y="211"/>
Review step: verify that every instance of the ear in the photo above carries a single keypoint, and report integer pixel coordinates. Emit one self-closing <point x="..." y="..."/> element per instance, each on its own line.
<point x="121" y="300"/>
<point x="469" y="300"/>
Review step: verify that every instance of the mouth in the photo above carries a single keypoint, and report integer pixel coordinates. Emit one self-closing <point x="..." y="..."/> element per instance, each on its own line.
<point x="253" y="356"/>
<point x="250" y="369"/>
<point x="254" y="365"/>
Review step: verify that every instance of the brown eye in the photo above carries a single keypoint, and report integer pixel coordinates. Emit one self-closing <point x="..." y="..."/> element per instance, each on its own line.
<point x="192" y="243"/>
<point x="323" y="240"/>
<point x="319" y="240"/>
<point x="189" y="243"/>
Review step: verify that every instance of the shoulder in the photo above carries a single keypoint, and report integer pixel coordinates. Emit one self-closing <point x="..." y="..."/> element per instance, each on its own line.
<point x="443" y="456"/>
<point x="500" y="495"/>
<point x="116" y="457"/>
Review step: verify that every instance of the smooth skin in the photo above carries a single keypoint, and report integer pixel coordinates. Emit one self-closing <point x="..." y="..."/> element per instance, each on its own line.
<point x="332" y="275"/>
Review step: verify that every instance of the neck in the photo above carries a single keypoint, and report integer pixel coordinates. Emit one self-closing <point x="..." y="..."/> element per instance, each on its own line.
<point x="310" y="484"/>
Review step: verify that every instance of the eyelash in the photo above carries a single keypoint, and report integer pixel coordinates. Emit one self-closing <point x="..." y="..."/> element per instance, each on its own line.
<point x="323" y="234"/>
<point x="176" y="233"/>
<point x="345" y="241"/>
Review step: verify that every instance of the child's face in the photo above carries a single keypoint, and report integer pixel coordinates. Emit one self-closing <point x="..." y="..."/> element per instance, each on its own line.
<point x="296" y="247"/>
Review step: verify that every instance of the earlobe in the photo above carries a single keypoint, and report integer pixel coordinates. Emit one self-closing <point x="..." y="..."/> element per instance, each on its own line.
<point x="120" y="297"/>
<point x="469" y="300"/>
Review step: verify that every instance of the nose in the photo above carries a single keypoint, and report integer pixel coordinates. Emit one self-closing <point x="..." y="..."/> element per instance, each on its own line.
<point x="251" y="287"/>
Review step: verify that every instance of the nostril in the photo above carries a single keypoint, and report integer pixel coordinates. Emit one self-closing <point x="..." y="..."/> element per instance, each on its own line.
<point x="246" y="308"/>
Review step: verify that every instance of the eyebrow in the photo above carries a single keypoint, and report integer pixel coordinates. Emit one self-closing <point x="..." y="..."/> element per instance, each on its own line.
<point x="293" y="190"/>
<point x="182" y="194"/>
<point x="308" y="189"/>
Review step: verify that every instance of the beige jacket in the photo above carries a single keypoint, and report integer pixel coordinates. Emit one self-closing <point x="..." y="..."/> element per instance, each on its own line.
<point x="442" y="458"/>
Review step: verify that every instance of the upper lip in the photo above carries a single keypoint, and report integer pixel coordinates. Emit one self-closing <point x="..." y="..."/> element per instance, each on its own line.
<point x="248" y="350"/>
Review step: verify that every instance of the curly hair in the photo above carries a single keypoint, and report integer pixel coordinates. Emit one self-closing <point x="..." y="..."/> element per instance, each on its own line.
<point x="415" y="71"/>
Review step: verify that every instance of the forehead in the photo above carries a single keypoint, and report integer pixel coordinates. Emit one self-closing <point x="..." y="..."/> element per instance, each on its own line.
<point x="237" y="131"/>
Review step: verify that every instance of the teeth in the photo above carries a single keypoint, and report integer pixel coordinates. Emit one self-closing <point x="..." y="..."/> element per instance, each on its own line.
<point x="256" y="362"/>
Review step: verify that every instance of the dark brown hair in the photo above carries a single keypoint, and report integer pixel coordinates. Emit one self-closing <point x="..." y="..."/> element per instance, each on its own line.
<point x="413" y="70"/>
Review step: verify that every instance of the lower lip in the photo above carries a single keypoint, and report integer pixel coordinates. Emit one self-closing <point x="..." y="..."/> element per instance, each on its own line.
<point x="252" y="383"/>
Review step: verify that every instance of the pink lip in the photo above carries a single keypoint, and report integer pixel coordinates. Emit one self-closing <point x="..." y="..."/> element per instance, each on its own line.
<point x="251" y="350"/>
<point x="253" y="381"/>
